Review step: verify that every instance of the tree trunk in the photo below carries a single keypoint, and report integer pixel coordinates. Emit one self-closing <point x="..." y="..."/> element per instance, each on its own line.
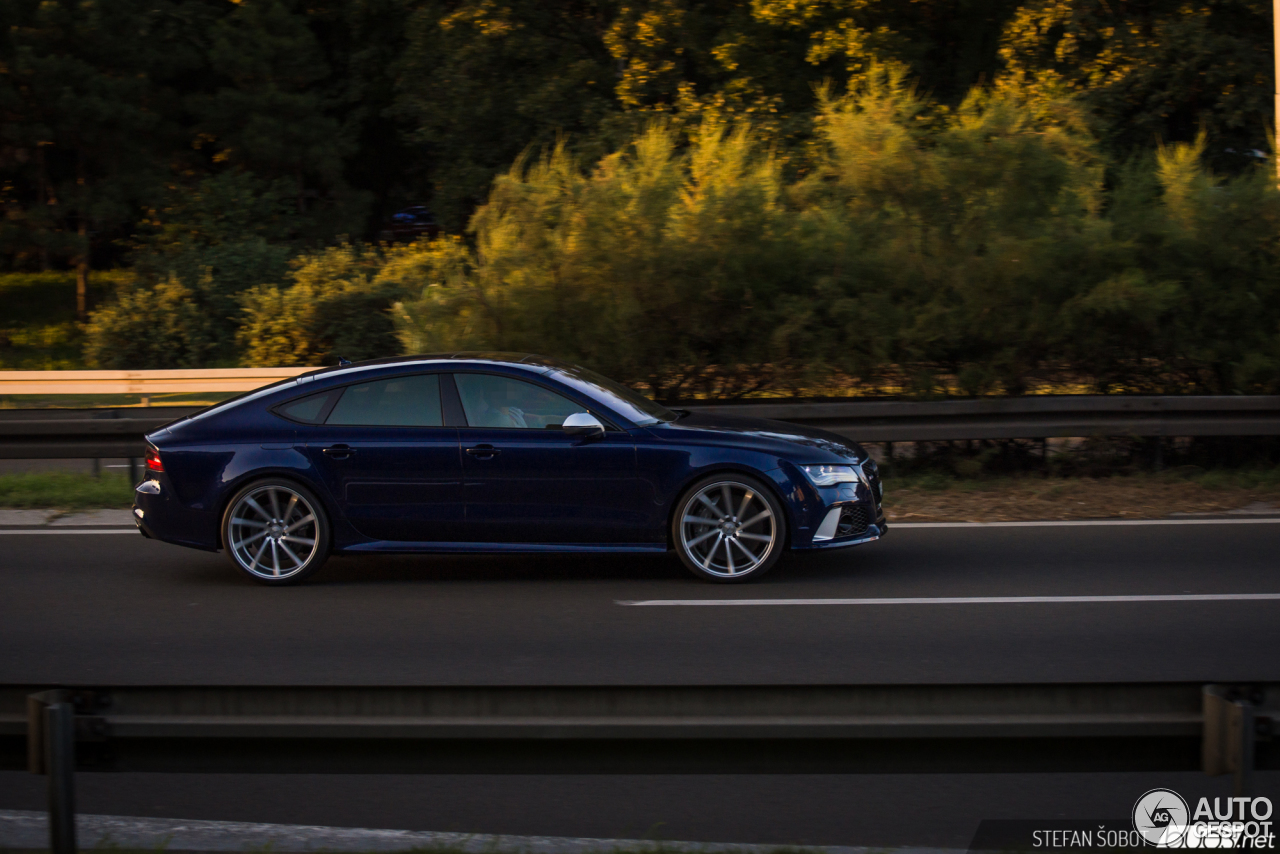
<point x="82" y="261"/>
<point x="82" y="275"/>
<point x="46" y="198"/>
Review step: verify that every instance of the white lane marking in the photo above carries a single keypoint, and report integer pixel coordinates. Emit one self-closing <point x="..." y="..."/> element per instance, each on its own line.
<point x="963" y="600"/>
<point x="133" y="531"/>
<point x="1082" y="523"/>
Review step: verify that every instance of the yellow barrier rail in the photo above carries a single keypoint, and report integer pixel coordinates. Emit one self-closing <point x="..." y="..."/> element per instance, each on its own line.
<point x="142" y="382"/>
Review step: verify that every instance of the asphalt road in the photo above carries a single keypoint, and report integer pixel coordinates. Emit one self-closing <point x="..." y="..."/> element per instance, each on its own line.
<point x="942" y="810"/>
<point x="121" y="609"/>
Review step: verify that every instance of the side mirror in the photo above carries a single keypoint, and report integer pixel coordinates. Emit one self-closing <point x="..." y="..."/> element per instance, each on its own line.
<point x="583" y="424"/>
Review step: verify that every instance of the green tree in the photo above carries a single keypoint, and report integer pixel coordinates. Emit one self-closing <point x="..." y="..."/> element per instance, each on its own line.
<point x="1190" y="303"/>
<point x="1160" y="70"/>
<point x="271" y="112"/>
<point x="974" y="220"/>
<point x="480" y="81"/>
<point x="210" y="242"/>
<point x="949" y="45"/>
<point x="86" y="119"/>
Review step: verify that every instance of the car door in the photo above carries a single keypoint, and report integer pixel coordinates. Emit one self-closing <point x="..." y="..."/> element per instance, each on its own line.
<point x="388" y="460"/>
<point x="526" y="481"/>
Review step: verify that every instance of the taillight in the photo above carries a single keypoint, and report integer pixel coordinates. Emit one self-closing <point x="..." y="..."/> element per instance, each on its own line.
<point x="153" y="460"/>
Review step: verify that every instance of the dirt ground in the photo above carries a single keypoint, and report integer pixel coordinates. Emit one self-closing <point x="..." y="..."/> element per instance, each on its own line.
<point x="1029" y="499"/>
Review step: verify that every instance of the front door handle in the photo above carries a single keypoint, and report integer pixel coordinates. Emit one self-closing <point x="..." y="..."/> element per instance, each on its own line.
<point x="484" y="452"/>
<point x="338" y="452"/>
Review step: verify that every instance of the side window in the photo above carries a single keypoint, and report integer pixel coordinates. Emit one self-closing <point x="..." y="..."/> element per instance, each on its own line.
<point x="307" y="410"/>
<point x="412" y="401"/>
<point x="493" y="401"/>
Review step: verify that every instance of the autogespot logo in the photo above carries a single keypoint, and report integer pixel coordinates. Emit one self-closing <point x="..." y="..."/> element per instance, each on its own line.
<point x="1162" y="819"/>
<point x="1161" y="816"/>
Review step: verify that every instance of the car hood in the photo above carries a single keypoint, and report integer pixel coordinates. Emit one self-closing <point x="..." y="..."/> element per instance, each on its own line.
<point x="762" y="434"/>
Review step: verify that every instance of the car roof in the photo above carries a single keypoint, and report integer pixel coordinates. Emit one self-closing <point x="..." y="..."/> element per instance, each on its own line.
<point x="527" y="361"/>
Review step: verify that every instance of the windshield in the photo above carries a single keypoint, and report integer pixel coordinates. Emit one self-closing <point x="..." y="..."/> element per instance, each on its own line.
<point x="628" y="403"/>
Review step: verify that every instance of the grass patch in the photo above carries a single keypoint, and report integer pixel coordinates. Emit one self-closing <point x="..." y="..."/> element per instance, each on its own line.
<point x="1263" y="479"/>
<point x="940" y="496"/>
<point x="66" y="490"/>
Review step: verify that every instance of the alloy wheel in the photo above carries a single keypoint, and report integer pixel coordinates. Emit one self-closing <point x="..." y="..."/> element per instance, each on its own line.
<point x="728" y="529"/>
<point x="272" y="532"/>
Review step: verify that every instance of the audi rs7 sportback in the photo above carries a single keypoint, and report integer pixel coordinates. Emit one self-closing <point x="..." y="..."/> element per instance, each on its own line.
<point x="495" y="453"/>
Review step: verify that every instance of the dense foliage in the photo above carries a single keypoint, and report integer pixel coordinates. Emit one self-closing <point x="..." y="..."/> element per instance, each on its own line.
<point x="976" y="250"/>
<point x="713" y="197"/>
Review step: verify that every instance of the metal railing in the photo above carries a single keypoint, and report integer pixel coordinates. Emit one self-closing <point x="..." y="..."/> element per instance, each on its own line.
<point x="622" y="730"/>
<point x="118" y="432"/>
<point x="142" y="382"/>
<point x="1038" y="417"/>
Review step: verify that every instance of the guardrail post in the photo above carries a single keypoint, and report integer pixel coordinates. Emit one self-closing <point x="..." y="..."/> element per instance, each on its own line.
<point x="1242" y="786"/>
<point x="1231" y="726"/>
<point x="51" y="750"/>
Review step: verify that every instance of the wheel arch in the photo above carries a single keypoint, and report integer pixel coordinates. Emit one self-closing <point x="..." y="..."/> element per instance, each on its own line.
<point x="235" y="486"/>
<point x="723" y="469"/>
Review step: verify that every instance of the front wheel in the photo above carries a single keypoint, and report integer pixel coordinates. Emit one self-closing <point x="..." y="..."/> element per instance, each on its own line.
<point x="275" y="531"/>
<point x="729" y="528"/>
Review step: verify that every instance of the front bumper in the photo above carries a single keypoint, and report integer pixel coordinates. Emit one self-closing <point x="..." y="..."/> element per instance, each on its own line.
<point x="874" y="532"/>
<point x="850" y="514"/>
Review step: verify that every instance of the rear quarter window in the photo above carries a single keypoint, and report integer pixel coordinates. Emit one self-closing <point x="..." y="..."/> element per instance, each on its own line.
<point x="308" y="410"/>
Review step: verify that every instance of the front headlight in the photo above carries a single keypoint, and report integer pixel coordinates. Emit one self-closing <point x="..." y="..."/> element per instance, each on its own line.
<point x="831" y="475"/>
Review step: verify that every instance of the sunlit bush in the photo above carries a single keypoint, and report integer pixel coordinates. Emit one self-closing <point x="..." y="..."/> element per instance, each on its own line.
<point x="161" y="327"/>
<point x="680" y="267"/>
<point x="985" y="249"/>
<point x="334" y="305"/>
<point x="977" y="250"/>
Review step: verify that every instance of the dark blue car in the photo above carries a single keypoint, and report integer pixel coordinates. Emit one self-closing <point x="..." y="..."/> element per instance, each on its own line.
<point x="496" y="453"/>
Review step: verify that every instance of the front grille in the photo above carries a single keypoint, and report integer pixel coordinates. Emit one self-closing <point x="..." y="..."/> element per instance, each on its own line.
<point x="853" y="522"/>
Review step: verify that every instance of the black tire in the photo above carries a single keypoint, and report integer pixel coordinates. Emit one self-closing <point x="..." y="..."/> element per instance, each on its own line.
<point x="287" y="518"/>
<point x="738" y="551"/>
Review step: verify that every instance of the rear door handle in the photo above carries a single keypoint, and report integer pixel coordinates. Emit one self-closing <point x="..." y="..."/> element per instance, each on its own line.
<point x="339" y="452"/>
<point x="484" y="452"/>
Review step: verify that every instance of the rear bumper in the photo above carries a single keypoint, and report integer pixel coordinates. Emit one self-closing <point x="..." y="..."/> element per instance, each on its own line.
<point x="159" y="516"/>
<point x="140" y="524"/>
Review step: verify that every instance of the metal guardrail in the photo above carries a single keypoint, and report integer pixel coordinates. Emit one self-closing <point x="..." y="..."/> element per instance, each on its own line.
<point x="69" y="433"/>
<point x="1038" y="417"/>
<point x="142" y="382"/>
<point x="39" y="434"/>
<point x="621" y="730"/>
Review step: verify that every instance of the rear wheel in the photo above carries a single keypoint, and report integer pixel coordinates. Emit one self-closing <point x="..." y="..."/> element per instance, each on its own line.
<point x="275" y="531"/>
<point x="729" y="528"/>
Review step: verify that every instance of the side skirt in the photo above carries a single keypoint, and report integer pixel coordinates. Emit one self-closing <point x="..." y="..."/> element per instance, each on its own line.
<point x="396" y="547"/>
